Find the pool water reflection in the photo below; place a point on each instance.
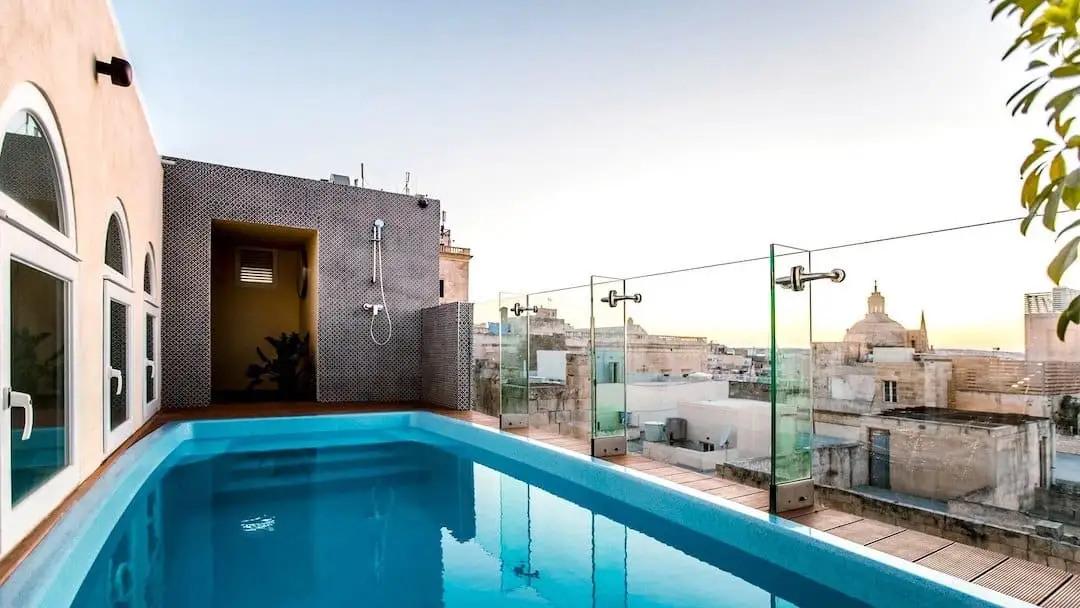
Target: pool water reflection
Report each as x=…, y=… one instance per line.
x=409, y=524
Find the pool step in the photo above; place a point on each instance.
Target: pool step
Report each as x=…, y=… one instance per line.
x=391, y=475
x=246, y=471
x=319, y=457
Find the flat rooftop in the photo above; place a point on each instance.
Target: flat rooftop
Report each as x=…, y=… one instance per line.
x=986, y=420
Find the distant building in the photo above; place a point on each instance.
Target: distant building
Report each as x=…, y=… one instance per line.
x=1041, y=312
x=878, y=329
x=453, y=268
x=651, y=354
x=1053, y=301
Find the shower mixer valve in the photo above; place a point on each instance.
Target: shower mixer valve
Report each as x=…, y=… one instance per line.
x=613, y=298
x=374, y=308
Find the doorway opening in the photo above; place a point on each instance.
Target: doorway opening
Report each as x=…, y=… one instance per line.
x=264, y=312
x=879, y=459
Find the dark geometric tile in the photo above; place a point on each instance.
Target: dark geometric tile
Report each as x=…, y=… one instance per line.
x=350, y=366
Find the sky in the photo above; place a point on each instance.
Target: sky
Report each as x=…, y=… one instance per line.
x=626, y=137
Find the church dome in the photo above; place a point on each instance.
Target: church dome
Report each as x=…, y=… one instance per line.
x=877, y=328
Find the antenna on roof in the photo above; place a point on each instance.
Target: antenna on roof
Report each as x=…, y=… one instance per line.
x=407, y=176
x=362, y=175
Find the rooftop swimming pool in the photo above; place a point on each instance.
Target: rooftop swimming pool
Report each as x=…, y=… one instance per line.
x=414, y=509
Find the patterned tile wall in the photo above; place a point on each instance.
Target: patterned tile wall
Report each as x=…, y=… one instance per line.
x=349, y=367
x=446, y=359
x=28, y=174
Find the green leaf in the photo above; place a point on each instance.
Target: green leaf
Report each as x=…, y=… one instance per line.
x=1004, y=4
x=1070, y=195
x=1070, y=316
x=1070, y=190
x=1056, y=15
x=1052, y=204
x=1025, y=102
x=1063, y=260
x=1057, y=167
x=1061, y=101
x=1065, y=71
x=1027, y=9
x=1030, y=189
x=1012, y=49
x=1070, y=227
x=1032, y=159
x=1034, y=206
x=1026, y=222
x=1062, y=128
x=1020, y=90
x=1036, y=64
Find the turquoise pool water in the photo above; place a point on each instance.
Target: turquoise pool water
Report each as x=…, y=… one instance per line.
x=409, y=524
x=416, y=510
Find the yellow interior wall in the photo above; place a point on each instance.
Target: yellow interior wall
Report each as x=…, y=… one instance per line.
x=243, y=315
x=309, y=306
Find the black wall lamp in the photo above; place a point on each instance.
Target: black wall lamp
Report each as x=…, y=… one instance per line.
x=118, y=70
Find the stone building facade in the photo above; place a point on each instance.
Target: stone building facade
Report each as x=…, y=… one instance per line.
x=453, y=269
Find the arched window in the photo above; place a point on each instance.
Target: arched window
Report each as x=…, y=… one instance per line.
x=39, y=324
x=148, y=275
x=118, y=331
x=35, y=185
x=151, y=335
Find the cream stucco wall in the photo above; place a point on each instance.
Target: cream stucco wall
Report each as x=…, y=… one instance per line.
x=111, y=154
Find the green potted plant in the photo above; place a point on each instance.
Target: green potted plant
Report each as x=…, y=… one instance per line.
x=289, y=369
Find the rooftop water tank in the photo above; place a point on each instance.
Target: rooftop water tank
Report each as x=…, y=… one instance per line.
x=676, y=429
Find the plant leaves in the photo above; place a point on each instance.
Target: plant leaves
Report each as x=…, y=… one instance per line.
x=1027, y=9
x=1004, y=4
x=1062, y=128
x=1057, y=167
x=1052, y=204
x=1068, y=228
x=1070, y=193
x=1063, y=260
x=1026, y=223
x=1032, y=159
x=1070, y=316
x=1033, y=208
x=1020, y=90
x=1060, y=101
x=1025, y=102
x=1065, y=71
x=1030, y=189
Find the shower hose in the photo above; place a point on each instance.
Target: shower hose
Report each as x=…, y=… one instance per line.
x=377, y=260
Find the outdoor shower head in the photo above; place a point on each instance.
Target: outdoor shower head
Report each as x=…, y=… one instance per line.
x=379, y=223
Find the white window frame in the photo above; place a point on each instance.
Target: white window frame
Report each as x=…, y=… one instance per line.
x=273, y=270
x=151, y=307
x=18, y=520
x=27, y=97
x=119, y=287
x=30, y=240
x=123, y=279
x=886, y=392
